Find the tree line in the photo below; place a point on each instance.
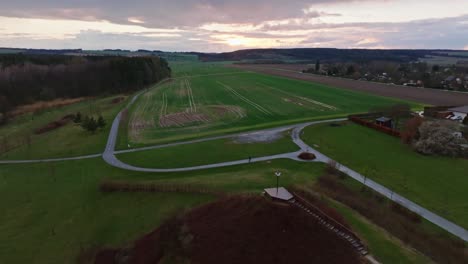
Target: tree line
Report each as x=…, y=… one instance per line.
x=25, y=79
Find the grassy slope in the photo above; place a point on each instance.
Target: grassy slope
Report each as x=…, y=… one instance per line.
x=436, y=183
x=70, y=140
x=383, y=246
x=50, y=211
x=206, y=153
x=269, y=92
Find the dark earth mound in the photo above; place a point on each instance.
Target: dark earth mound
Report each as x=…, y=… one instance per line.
x=307, y=156
x=238, y=230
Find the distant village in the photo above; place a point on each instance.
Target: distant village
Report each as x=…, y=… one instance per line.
x=415, y=74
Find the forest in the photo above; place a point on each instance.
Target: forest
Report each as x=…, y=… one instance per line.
x=25, y=79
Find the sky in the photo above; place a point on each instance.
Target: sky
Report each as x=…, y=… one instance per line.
x=227, y=25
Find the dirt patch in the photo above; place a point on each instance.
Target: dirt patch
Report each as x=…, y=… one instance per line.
x=117, y=100
x=137, y=125
x=54, y=125
x=293, y=101
x=225, y=110
x=260, y=137
x=239, y=230
x=307, y=156
x=43, y=105
x=182, y=118
x=426, y=96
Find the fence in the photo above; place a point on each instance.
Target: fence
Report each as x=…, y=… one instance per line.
x=358, y=120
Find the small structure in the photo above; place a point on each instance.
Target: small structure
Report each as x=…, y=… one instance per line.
x=461, y=111
x=279, y=194
x=384, y=121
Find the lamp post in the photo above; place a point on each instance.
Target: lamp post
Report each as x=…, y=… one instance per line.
x=278, y=174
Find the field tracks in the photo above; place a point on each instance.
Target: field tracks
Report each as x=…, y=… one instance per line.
x=245, y=99
x=192, y=104
x=163, y=110
x=329, y=107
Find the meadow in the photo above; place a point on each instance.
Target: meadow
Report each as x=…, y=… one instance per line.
x=203, y=105
x=214, y=151
x=55, y=213
x=67, y=141
x=437, y=183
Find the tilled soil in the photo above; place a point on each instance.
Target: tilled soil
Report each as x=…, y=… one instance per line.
x=240, y=230
x=421, y=95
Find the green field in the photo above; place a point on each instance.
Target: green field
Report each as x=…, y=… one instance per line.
x=206, y=105
x=51, y=210
x=437, y=183
x=66, y=141
x=214, y=151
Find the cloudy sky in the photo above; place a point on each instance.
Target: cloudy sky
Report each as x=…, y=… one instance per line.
x=225, y=25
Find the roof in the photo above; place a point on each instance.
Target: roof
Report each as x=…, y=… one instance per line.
x=460, y=109
x=281, y=193
x=383, y=119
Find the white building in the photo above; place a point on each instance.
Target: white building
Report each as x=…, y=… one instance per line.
x=461, y=111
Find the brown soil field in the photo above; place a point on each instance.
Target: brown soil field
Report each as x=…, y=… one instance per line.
x=181, y=119
x=42, y=105
x=421, y=95
x=54, y=125
x=237, y=230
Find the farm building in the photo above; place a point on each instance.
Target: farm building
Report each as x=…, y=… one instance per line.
x=461, y=111
x=384, y=121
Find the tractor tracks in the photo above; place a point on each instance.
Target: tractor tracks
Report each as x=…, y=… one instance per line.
x=245, y=99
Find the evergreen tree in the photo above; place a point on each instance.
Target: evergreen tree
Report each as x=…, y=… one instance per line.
x=317, y=66
x=77, y=118
x=465, y=120
x=90, y=124
x=101, y=122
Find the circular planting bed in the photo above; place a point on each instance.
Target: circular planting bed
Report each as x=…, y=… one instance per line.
x=238, y=230
x=307, y=156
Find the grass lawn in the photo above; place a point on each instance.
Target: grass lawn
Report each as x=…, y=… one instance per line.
x=51, y=210
x=208, y=152
x=66, y=141
x=437, y=183
x=238, y=101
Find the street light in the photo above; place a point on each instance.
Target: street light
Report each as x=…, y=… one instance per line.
x=278, y=174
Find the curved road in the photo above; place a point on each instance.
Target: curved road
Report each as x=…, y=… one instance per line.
x=111, y=159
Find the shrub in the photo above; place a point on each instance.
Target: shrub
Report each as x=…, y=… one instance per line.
x=77, y=118
x=101, y=123
x=307, y=156
x=89, y=124
x=439, y=138
x=465, y=120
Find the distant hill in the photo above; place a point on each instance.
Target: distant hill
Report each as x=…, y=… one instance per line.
x=323, y=54
x=302, y=55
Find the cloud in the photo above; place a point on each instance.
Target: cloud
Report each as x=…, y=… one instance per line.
x=223, y=25
x=160, y=13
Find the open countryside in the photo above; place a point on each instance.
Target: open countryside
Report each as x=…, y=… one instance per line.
x=231, y=132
